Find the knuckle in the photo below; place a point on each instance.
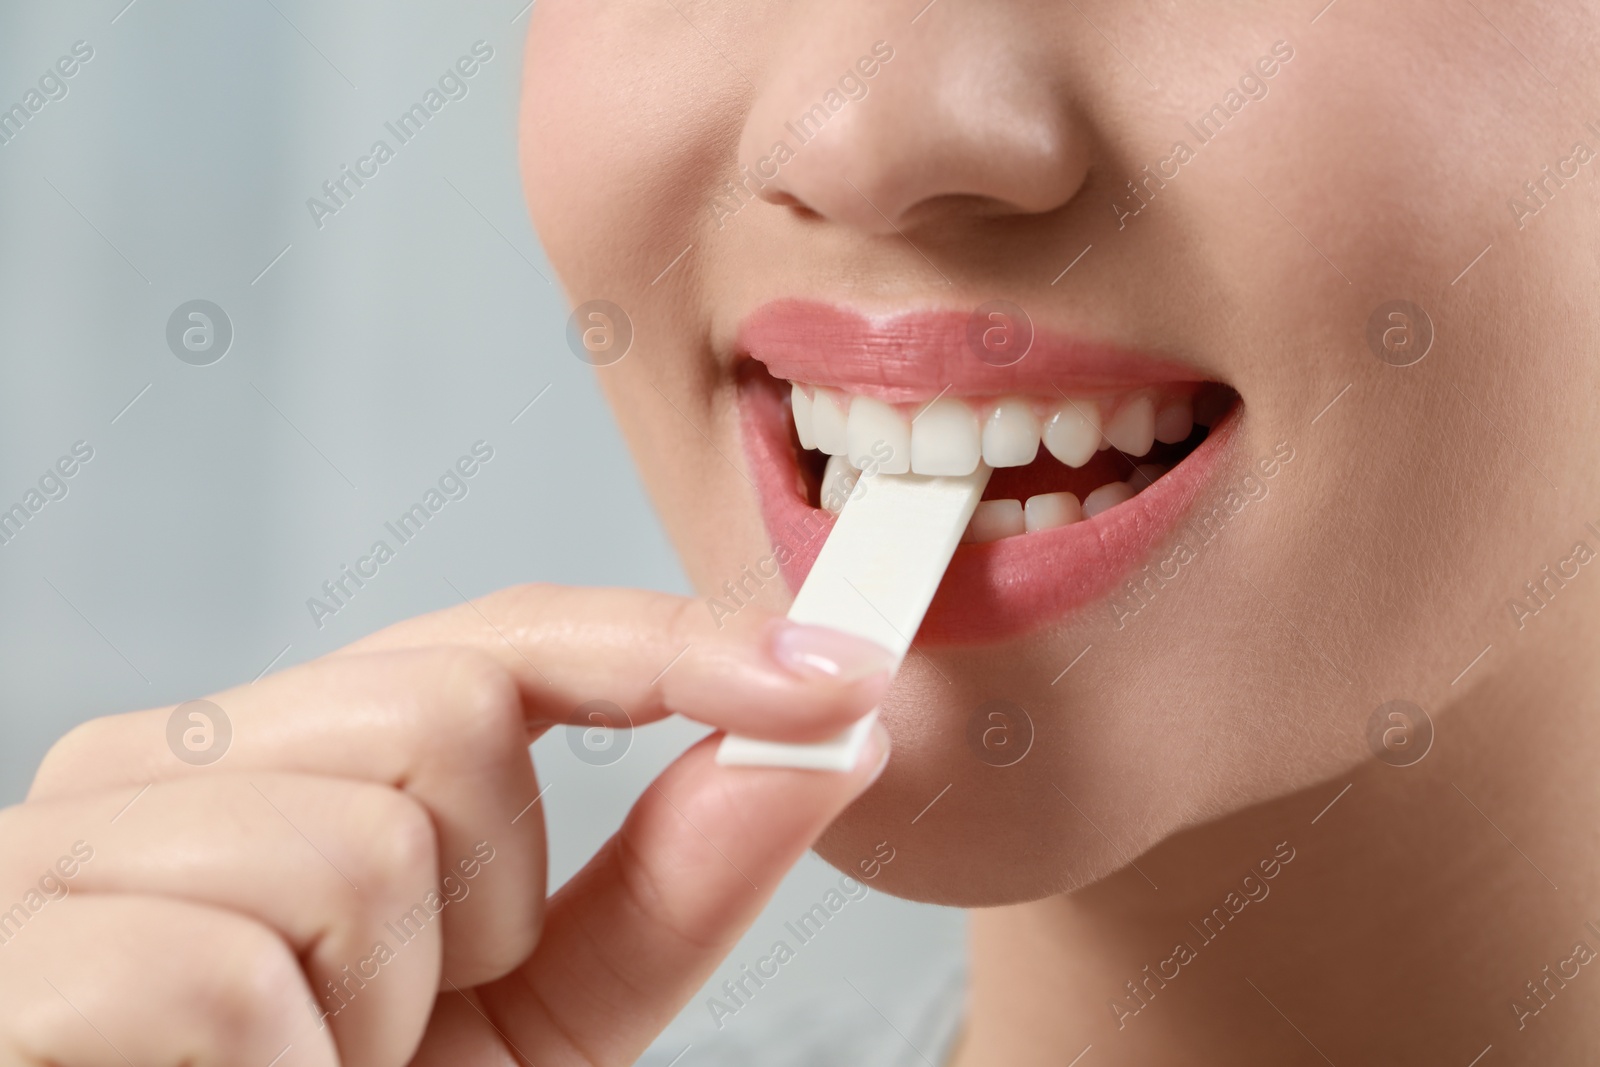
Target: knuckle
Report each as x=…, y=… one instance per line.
x=256, y=983
x=528, y=599
x=219, y=985
x=58, y=770
x=394, y=844
x=485, y=707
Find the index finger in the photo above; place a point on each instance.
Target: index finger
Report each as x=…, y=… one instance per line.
x=653, y=654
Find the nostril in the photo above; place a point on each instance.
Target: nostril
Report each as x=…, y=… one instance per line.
x=779, y=198
x=789, y=200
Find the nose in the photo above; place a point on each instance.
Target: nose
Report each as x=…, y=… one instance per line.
x=886, y=131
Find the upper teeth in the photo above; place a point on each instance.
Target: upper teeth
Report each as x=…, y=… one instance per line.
x=951, y=434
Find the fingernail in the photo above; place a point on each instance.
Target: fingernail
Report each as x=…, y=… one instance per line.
x=819, y=652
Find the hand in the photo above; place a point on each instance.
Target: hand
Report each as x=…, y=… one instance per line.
x=360, y=879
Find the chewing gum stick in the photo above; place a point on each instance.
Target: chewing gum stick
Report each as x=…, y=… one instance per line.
x=875, y=577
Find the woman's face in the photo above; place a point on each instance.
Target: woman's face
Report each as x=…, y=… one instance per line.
x=1238, y=193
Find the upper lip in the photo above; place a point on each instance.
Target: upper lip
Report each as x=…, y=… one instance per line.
x=916, y=355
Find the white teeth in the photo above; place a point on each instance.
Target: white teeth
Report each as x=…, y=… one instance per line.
x=993, y=520
x=878, y=434
x=952, y=435
x=1011, y=434
x=1073, y=433
x=1107, y=496
x=1133, y=428
x=997, y=519
x=838, y=482
x=944, y=438
x=828, y=422
x=1174, y=422
x=801, y=405
x=1049, y=510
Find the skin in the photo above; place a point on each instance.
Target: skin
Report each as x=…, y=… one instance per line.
x=197, y=930
x=1214, y=731
x=1223, y=717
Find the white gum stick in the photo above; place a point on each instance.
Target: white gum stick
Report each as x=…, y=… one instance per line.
x=874, y=578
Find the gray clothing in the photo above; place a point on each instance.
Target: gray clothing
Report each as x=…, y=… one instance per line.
x=915, y=1026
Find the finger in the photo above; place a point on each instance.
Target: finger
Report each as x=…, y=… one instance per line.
x=653, y=654
x=105, y=981
x=343, y=872
x=648, y=919
x=460, y=1033
x=443, y=725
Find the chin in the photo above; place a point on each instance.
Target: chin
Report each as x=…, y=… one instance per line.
x=965, y=826
x=984, y=856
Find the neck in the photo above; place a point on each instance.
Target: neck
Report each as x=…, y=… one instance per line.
x=1420, y=915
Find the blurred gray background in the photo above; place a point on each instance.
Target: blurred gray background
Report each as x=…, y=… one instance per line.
x=368, y=354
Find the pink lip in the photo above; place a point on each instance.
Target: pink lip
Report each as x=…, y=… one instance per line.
x=913, y=356
x=991, y=591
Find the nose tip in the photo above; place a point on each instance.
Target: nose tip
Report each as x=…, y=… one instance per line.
x=906, y=135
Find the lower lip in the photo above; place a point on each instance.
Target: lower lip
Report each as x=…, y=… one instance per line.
x=995, y=590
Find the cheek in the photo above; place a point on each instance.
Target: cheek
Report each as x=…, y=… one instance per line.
x=623, y=119
x=629, y=123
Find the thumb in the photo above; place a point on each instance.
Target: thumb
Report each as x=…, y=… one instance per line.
x=634, y=934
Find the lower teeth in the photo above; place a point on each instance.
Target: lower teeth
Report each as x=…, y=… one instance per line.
x=1006, y=517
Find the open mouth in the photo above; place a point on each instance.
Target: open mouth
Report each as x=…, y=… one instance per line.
x=1096, y=454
